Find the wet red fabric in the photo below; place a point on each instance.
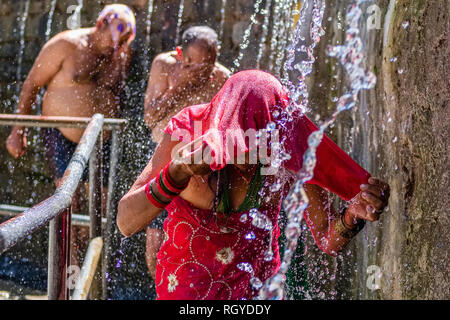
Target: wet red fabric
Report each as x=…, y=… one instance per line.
x=251, y=100
x=199, y=257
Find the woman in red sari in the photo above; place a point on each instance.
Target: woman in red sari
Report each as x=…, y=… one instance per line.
x=221, y=232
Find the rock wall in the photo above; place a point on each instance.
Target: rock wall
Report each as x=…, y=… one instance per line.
x=399, y=132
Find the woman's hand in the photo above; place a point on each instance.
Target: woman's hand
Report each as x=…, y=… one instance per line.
x=369, y=203
x=189, y=160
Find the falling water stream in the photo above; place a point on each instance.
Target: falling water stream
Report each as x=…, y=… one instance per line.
x=22, y=25
x=245, y=40
x=265, y=31
x=179, y=22
x=222, y=23
x=48, y=31
x=350, y=55
x=147, y=43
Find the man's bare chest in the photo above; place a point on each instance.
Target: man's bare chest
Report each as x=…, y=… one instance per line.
x=87, y=66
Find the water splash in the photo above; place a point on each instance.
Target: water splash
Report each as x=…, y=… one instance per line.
x=74, y=21
x=179, y=22
x=51, y=13
x=120, y=250
x=246, y=38
x=146, y=60
x=22, y=24
x=265, y=31
x=351, y=57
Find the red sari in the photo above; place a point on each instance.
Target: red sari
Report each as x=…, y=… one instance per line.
x=199, y=258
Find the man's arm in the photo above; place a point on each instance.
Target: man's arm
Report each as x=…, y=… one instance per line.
x=45, y=67
x=160, y=98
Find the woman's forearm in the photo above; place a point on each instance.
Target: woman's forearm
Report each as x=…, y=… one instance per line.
x=135, y=212
x=339, y=233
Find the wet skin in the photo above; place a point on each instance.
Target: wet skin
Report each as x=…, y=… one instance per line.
x=175, y=83
x=135, y=211
x=83, y=70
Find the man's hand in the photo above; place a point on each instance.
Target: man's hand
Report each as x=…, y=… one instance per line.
x=17, y=142
x=369, y=203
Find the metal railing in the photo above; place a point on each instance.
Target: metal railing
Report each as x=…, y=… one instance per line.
x=57, y=208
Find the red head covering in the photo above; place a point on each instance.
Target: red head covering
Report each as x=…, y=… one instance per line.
x=250, y=100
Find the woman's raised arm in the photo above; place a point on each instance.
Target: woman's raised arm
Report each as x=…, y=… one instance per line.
x=135, y=211
x=331, y=230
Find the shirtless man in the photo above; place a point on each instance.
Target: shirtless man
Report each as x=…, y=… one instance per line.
x=84, y=71
x=188, y=76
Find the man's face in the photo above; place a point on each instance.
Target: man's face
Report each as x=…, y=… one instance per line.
x=195, y=55
x=114, y=34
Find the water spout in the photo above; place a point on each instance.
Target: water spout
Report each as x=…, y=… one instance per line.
x=22, y=24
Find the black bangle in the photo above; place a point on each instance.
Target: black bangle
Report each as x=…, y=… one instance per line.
x=343, y=230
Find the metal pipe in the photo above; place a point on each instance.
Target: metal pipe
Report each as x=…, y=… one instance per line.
x=59, y=256
x=110, y=212
x=95, y=190
x=13, y=230
x=95, y=206
x=81, y=220
x=57, y=122
x=84, y=280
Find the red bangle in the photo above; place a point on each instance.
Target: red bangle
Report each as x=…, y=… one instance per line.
x=168, y=183
x=151, y=197
x=161, y=189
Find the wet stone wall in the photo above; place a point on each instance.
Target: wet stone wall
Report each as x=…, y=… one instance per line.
x=398, y=131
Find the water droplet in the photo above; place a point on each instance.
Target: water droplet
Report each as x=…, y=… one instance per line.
x=250, y=236
x=256, y=283
x=245, y=266
x=405, y=24
x=268, y=255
